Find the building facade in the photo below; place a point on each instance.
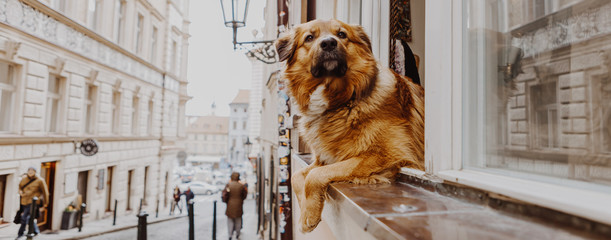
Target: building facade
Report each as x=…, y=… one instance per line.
x=207, y=135
x=112, y=71
x=238, y=128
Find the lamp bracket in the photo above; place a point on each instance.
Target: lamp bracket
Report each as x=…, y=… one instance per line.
x=263, y=51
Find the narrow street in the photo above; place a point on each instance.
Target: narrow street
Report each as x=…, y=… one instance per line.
x=179, y=228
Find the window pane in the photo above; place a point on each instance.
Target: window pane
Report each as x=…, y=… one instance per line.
x=537, y=90
x=6, y=102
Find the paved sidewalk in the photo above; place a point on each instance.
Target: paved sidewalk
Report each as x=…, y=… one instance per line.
x=92, y=228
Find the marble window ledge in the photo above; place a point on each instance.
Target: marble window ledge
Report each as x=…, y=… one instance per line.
x=420, y=207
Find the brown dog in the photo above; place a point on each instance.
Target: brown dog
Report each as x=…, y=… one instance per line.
x=362, y=121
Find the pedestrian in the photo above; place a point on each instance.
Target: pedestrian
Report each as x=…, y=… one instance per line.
x=176, y=203
x=188, y=195
x=234, y=195
x=31, y=186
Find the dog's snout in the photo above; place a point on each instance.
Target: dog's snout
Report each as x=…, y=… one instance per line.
x=328, y=44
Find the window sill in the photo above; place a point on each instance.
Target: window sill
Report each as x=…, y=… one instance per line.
x=579, y=202
x=415, y=207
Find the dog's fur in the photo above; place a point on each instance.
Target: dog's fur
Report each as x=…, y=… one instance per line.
x=362, y=121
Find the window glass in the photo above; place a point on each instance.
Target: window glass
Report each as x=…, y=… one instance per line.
x=6, y=96
x=53, y=102
x=537, y=90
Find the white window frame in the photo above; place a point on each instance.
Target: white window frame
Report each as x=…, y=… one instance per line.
x=154, y=43
x=14, y=89
x=120, y=20
x=443, y=118
x=150, y=117
x=115, y=105
x=93, y=104
x=59, y=96
x=139, y=41
x=135, y=115
x=93, y=17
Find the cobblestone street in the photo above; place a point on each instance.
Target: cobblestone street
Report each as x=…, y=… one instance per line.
x=179, y=228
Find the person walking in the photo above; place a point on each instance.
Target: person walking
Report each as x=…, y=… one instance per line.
x=31, y=186
x=234, y=195
x=176, y=203
x=188, y=195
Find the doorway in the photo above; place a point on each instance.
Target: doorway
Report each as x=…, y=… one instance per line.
x=130, y=174
x=109, y=205
x=2, y=192
x=47, y=172
x=82, y=186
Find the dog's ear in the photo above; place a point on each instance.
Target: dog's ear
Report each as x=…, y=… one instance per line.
x=360, y=32
x=284, y=46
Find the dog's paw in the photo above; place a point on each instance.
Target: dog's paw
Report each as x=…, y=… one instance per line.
x=309, y=221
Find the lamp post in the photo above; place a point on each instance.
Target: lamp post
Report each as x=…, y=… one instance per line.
x=247, y=148
x=234, y=16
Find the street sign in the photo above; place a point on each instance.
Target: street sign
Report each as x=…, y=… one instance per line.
x=89, y=147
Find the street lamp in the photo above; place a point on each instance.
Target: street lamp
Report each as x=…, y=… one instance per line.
x=247, y=147
x=234, y=16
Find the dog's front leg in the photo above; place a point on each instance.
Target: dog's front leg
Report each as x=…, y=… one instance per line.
x=316, y=184
x=298, y=181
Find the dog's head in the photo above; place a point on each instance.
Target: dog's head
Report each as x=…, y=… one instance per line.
x=332, y=53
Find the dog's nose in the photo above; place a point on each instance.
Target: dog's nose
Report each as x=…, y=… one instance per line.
x=328, y=44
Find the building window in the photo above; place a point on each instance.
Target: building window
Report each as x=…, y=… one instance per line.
x=93, y=12
x=119, y=20
x=245, y=110
x=7, y=90
x=154, y=45
x=545, y=115
x=139, y=31
x=235, y=124
x=116, y=112
x=244, y=125
x=146, y=176
x=135, y=115
x=174, y=56
x=90, y=110
x=149, y=121
x=605, y=111
x=525, y=77
x=54, y=101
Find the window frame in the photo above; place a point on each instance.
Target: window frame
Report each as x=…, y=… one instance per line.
x=61, y=99
x=93, y=103
x=120, y=19
x=135, y=114
x=115, y=112
x=443, y=118
x=139, y=39
x=14, y=88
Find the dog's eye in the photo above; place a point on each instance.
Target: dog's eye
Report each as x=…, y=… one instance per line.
x=309, y=38
x=341, y=34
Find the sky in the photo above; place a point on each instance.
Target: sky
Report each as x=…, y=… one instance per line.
x=215, y=71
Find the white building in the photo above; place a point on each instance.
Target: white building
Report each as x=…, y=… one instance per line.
x=113, y=71
x=206, y=135
x=238, y=127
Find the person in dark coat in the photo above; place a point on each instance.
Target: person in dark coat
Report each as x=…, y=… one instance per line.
x=188, y=195
x=237, y=193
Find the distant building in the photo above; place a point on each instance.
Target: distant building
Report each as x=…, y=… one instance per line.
x=238, y=127
x=113, y=71
x=206, y=135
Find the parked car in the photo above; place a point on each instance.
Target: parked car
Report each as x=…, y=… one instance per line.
x=200, y=188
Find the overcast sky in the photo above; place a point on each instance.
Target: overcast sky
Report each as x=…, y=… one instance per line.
x=215, y=71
